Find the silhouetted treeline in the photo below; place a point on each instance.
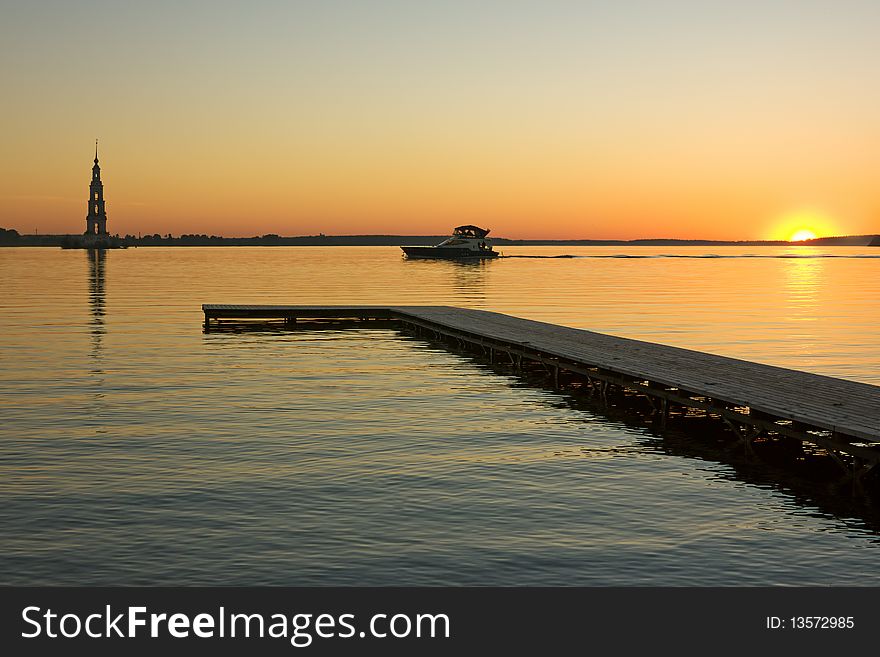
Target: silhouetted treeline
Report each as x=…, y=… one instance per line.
x=10, y=237
x=276, y=240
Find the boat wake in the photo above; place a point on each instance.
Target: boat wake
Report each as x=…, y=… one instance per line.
x=796, y=256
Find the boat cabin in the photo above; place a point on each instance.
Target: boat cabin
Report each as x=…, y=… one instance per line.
x=472, y=232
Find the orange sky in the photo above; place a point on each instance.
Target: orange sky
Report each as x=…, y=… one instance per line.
x=551, y=119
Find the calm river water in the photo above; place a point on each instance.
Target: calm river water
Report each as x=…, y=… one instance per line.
x=135, y=449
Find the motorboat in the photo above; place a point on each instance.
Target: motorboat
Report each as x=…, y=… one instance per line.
x=465, y=242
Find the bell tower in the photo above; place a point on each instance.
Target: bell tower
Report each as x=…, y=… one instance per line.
x=96, y=220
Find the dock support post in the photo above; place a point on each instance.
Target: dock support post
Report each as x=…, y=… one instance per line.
x=854, y=471
x=847, y=469
x=746, y=435
x=556, y=377
x=664, y=412
x=591, y=384
x=861, y=469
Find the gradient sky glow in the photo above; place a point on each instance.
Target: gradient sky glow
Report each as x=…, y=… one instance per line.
x=615, y=119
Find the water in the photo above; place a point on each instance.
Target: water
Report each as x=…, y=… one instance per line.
x=135, y=449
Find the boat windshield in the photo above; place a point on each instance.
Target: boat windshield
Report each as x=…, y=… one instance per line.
x=451, y=241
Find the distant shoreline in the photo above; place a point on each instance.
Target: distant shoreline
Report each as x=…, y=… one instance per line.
x=13, y=238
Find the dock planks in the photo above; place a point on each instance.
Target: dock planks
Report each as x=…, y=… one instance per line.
x=848, y=411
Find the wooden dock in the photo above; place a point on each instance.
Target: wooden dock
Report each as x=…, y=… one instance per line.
x=840, y=416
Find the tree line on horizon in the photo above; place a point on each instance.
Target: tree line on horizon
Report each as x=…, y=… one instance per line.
x=11, y=237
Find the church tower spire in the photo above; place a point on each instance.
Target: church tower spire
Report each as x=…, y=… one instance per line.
x=96, y=220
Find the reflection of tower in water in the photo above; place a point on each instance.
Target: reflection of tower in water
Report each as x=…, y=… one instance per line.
x=96, y=297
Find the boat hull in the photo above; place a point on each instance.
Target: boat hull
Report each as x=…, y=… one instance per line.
x=446, y=253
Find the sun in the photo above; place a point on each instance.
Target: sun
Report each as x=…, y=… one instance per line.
x=802, y=235
x=803, y=224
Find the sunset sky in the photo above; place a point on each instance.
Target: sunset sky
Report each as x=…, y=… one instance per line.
x=616, y=119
